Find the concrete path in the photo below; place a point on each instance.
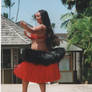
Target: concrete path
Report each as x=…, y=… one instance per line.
x=49, y=88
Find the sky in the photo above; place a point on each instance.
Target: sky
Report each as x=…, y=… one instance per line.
x=54, y=8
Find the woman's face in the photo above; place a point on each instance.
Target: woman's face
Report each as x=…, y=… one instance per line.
x=38, y=17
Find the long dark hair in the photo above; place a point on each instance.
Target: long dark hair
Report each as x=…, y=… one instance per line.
x=51, y=40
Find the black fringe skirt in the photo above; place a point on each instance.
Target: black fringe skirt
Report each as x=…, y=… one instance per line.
x=43, y=57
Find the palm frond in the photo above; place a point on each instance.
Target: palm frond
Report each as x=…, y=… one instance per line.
x=67, y=15
x=64, y=1
x=69, y=3
x=64, y=24
x=12, y=4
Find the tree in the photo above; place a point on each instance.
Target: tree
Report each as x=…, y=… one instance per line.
x=80, y=5
x=5, y=15
x=79, y=28
x=17, y=10
x=9, y=4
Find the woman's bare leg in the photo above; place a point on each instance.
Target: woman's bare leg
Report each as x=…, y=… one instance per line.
x=42, y=87
x=24, y=85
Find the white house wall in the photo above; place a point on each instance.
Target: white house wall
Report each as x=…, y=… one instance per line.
x=78, y=65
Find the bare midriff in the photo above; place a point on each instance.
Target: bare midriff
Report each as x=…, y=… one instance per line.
x=39, y=44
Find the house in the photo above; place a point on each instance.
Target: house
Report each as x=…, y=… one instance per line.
x=71, y=66
x=13, y=41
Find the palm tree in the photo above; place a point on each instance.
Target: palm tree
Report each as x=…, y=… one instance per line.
x=17, y=10
x=79, y=27
x=80, y=5
x=9, y=4
x=5, y=15
x=69, y=3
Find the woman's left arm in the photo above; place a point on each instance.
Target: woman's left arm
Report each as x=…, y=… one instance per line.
x=36, y=29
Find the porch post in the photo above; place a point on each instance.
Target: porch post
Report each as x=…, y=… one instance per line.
x=11, y=57
x=81, y=67
x=2, y=69
x=12, y=64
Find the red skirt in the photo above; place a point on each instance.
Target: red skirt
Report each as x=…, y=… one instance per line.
x=37, y=73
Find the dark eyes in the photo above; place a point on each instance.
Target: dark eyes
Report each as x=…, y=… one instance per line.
x=36, y=16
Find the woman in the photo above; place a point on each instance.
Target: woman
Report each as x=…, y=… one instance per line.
x=43, y=39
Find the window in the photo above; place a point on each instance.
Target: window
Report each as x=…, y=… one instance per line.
x=6, y=58
x=65, y=64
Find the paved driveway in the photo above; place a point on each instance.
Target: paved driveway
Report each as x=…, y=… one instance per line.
x=49, y=88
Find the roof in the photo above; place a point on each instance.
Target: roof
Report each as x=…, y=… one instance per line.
x=64, y=44
x=12, y=34
x=62, y=36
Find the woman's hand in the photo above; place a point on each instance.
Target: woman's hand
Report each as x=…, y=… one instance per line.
x=25, y=33
x=23, y=24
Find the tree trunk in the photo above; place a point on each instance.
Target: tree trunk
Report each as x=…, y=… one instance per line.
x=17, y=10
x=9, y=12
